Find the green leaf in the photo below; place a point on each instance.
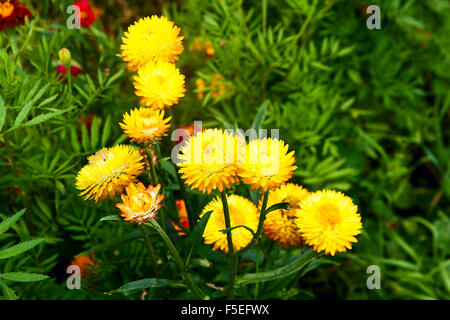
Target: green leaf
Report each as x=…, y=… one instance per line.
x=84, y=138
x=20, y=248
x=260, y=116
x=106, y=130
x=8, y=292
x=74, y=140
x=281, y=272
x=278, y=206
x=95, y=132
x=2, y=113
x=146, y=283
x=113, y=217
x=197, y=234
x=23, y=276
x=22, y=114
x=7, y=223
x=224, y=231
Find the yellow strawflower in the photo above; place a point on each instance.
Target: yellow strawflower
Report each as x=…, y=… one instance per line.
x=280, y=224
x=267, y=164
x=159, y=84
x=329, y=221
x=140, y=204
x=109, y=171
x=151, y=39
x=208, y=160
x=242, y=212
x=145, y=125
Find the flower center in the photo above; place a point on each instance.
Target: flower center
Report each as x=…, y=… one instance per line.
x=329, y=215
x=6, y=9
x=140, y=202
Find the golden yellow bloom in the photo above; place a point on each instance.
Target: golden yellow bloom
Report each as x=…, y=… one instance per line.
x=159, y=84
x=242, y=212
x=140, y=204
x=208, y=160
x=329, y=221
x=267, y=164
x=151, y=39
x=109, y=171
x=145, y=125
x=280, y=224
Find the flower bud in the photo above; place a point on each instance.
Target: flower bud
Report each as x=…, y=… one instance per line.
x=64, y=56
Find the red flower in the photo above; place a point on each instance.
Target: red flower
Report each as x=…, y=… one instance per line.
x=12, y=13
x=87, y=16
x=74, y=70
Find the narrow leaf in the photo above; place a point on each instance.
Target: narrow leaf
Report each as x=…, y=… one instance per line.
x=20, y=248
x=146, y=283
x=281, y=272
x=23, y=276
x=2, y=113
x=106, y=130
x=7, y=223
x=197, y=234
x=22, y=114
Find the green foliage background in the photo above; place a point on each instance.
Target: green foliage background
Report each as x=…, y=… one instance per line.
x=366, y=111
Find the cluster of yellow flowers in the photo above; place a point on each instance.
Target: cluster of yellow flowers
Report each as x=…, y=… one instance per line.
x=150, y=46
x=216, y=159
x=212, y=159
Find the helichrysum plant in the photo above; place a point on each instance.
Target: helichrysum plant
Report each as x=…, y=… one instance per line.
x=210, y=161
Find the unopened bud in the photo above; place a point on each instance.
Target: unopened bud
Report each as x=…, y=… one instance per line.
x=64, y=56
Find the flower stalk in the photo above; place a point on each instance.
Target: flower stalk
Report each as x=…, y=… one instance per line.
x=150, y=251
x=233, y=257
x=262, y=218
x=176, y=256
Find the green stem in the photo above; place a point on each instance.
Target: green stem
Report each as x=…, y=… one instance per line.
x=233, y=258
x=69, y=80
x=152, y=166
x=150, y=251
x=175, y=255
x=262, y=218
x=154, y=180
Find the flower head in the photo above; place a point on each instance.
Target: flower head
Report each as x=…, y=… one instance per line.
x=145, y=125
x=62, y=71
x=242, y=213
x=208, y=160
x=267, y=164
x=182, y=218
x=12, y=13
x=86, y=263
x=140, y=204
x=159, y=84
x=151, y=39
x=218, y=86
x=329, y=221
x=109, y=171
x=87, y=16
x=280, y=224
x=199, y=45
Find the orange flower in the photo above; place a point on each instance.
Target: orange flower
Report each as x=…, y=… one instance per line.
x=218, y=87
x=86, y=263
x=12, y=13
x=182, y=217
x=200, y=45
x=140, y=204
